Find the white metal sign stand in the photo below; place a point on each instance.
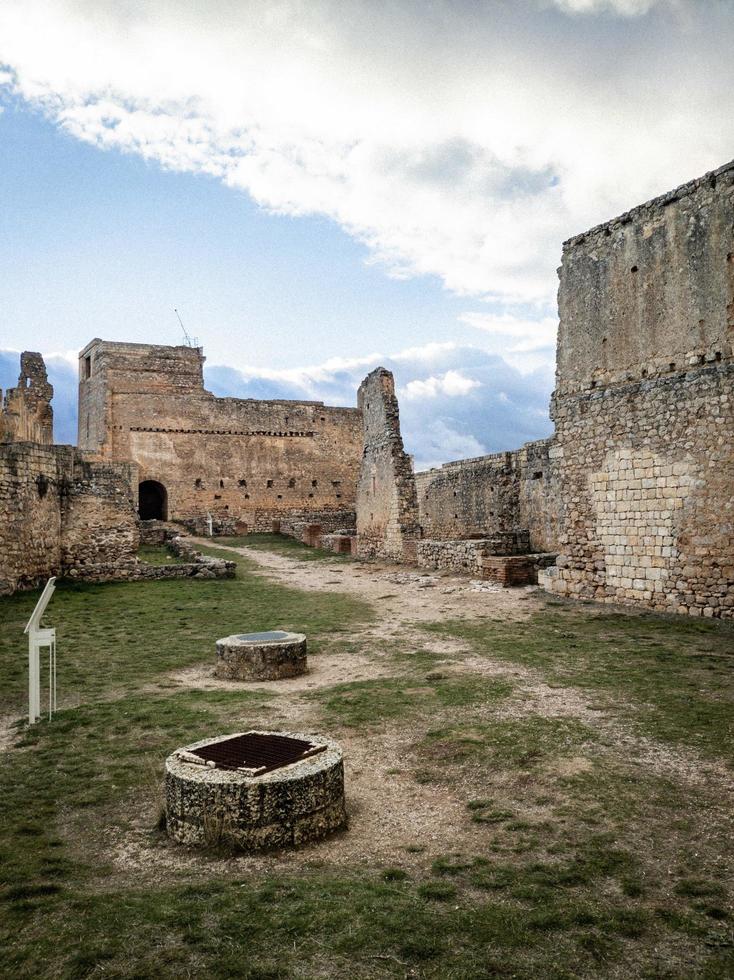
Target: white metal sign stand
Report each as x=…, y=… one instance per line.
x=210, y=525
x=39, y=637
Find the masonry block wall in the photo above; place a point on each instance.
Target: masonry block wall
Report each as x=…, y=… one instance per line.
x=644, y=405
x=59, y=512
x=387, y=504
x=98, y=521
x=26, y=414
x=500, y=493
x=249, y=463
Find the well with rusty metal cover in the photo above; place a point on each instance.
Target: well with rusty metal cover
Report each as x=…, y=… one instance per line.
x=255, y=790
x=265, y=656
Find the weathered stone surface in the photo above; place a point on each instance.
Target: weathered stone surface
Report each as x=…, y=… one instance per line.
x=490, y=495
x=26, y=414
x=387, y=505
x=288, y=807
x=61, y=514
x=259, y=657
x=249, y=463
x=644, y=406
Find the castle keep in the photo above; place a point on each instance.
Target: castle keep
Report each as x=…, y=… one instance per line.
x=251, y=464
x=632, y=499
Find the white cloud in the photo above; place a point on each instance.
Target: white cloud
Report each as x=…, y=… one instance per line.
x=627, y=8
x=524, y=342
x=451, y=383
x=455, y=401
x=463, y=141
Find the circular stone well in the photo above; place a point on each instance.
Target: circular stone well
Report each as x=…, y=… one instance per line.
x=261, y=656
x=291, y=803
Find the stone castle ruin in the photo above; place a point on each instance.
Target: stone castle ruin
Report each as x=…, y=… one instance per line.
x=632, y=499
x=253, y=465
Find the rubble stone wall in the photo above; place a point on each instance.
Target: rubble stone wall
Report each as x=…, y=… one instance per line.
x=98, y=521
x=31, y=485
x=387, y=504
x=504, y=492
x=644, y=405
x=247, y=462
x=464, y=557
x=59, y=513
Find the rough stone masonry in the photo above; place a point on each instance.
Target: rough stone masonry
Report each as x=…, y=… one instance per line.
x=644, y=405
x=251, y=464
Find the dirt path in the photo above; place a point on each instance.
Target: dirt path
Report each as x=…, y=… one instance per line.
x=400, y=595
x=394, y=819
x=403, y=597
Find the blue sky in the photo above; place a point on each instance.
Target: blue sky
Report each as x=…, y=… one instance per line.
x=321, y=188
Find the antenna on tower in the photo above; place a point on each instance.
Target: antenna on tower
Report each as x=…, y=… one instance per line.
x=188, y=341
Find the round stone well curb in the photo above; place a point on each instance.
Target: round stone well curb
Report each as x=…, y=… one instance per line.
x=286, y=807
x=261, y=656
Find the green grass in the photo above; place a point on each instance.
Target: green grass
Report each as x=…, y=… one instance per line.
x=672, y=677
x=157, y=554
x=113, y=637
x=604, y=870
x=280, y=544
x=366, y=704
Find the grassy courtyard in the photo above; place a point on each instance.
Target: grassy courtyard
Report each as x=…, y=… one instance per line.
x=577, y=764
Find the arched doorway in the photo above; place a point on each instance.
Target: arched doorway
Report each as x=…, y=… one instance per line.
x=152, y=501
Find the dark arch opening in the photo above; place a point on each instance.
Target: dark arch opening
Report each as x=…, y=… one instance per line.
x=152, y=501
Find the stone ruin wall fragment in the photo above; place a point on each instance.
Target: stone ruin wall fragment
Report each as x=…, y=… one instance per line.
x=387, y=504
x=252, y=464
x=25, y=413
x=492, y=495
x=644, y=405
x=61, y=514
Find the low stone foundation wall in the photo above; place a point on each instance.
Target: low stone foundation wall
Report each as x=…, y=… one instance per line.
x=194, y=565
x=452, y=556
x=466, y=556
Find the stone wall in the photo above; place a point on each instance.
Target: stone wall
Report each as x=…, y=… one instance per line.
x=60, y=513
x=98, y=521
x=31, y=487
x=387, y=504
x=26, y=414
x=249, y=463
x=481, y=497
x=464, y=557
x=644, y=405
x=126, y=568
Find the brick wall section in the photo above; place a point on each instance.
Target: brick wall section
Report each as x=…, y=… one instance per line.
x=59, y=513
x=493, y=494
x=26, y=414
x=387, y=504
x=644, y=405
x=245, y=461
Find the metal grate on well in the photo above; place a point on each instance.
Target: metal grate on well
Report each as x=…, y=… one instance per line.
x=254, y=753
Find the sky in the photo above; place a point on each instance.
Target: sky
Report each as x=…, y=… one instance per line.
x=320, y=187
